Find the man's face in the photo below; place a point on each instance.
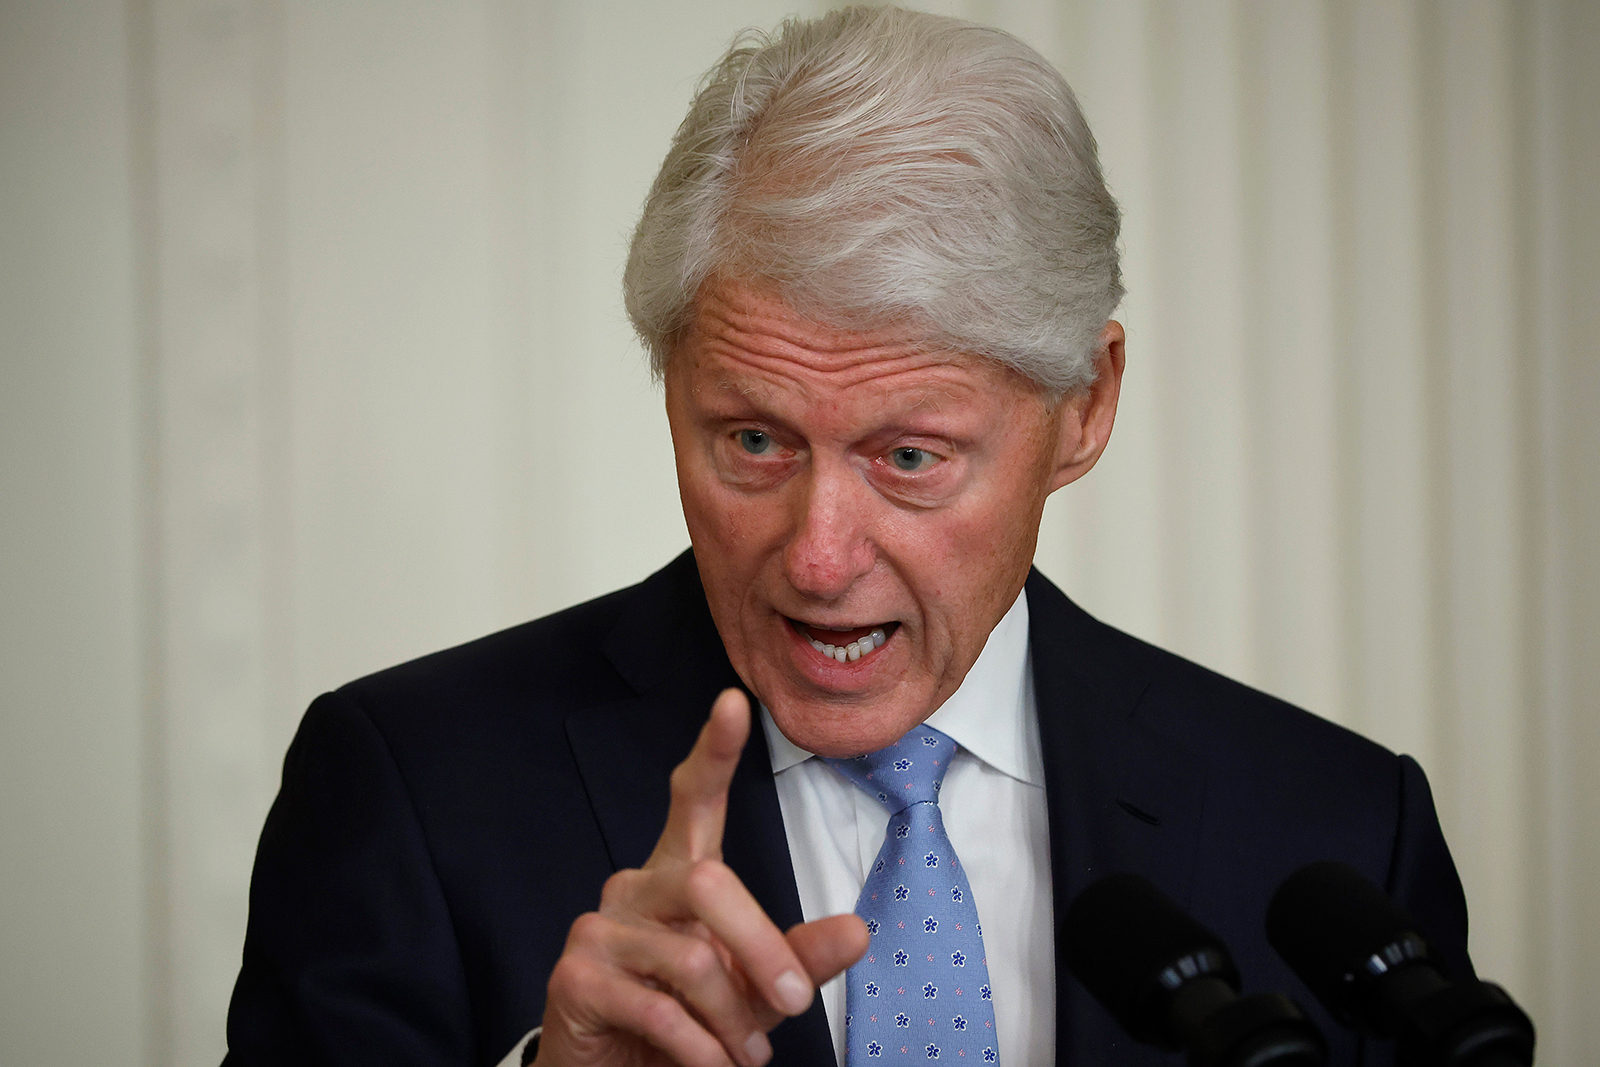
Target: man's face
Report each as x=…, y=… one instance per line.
x=840, y=487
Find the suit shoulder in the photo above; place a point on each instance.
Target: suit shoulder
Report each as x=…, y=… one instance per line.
x=1196, y=706
x=525, y=677
x=1186, y=698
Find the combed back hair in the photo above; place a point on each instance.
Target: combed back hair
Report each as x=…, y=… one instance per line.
x=878, y=166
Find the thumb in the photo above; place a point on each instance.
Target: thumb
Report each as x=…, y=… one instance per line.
x=828, y=946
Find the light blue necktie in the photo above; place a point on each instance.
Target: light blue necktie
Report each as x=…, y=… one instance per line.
x=922, y=990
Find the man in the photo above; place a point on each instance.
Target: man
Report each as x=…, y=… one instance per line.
x=875, y=275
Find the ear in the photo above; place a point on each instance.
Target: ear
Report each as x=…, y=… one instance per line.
x=1085, y=417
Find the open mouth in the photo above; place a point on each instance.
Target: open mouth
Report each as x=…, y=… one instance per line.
x=845, y=645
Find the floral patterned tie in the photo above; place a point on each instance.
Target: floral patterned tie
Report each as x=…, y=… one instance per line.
x=922, y=990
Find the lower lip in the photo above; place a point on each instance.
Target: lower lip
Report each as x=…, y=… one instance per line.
x=828, y=667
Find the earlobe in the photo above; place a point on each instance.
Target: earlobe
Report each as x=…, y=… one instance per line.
x=1086, y=417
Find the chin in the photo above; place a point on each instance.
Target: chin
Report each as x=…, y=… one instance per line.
x=841, y=729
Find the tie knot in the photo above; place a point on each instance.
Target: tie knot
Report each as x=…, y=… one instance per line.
x=908, y=772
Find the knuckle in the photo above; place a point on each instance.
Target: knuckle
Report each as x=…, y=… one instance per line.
x=682, y=781
x=705, y=880
x=617, y=888
x=588, y=929
x=660, y=1016
x=572, y=977
x=697, y=963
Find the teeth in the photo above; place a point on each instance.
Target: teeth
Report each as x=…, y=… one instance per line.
x=855, y=649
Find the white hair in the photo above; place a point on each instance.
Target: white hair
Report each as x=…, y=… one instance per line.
x=879, y=165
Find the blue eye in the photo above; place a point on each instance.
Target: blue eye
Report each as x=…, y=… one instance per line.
x=910, y=459
x=755, y=442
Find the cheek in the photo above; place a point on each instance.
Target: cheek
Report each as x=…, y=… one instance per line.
x=700, y=510
x=989, y=560
x=740, y=528
x=972, y=566
x=967, y=546
x=706, y=508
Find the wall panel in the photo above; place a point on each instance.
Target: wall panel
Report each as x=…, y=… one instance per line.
x=72, y=681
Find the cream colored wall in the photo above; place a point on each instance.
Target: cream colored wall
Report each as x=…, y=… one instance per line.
x=312, y=360
x=72, y=645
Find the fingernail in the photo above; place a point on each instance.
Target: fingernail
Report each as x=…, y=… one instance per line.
x=758, y=1049
x=794, y=992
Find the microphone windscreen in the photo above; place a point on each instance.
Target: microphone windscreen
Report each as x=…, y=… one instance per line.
x=1119, y=937
x=1326, y=920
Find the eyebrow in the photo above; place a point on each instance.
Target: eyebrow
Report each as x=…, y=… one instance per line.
x=749, y=391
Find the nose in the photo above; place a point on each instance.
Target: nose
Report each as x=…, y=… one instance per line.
x=830, y=547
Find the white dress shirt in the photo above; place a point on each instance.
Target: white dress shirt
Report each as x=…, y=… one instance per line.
x=994, y=811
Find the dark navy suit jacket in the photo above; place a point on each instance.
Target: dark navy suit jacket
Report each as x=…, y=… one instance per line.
x=442, y=823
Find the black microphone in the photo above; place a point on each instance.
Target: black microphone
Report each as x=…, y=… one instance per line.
x=1361, y=955
x=1171, y=983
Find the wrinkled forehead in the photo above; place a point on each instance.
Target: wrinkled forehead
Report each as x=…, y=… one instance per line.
x=744, y=334
x=750, y=303
x=757, y=319
x=874, y=391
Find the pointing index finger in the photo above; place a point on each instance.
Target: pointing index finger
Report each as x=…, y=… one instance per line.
x=700, y=784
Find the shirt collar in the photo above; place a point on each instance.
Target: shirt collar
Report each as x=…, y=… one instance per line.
x=991, y=714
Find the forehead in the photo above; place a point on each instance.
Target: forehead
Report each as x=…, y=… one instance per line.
x=747, y=341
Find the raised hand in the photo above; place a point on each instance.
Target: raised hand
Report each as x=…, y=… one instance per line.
x=680, y=964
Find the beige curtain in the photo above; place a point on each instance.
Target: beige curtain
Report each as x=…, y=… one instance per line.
x=312, y=360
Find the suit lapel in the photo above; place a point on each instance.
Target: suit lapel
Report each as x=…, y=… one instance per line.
x=668, y=649
x=1121, y=797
